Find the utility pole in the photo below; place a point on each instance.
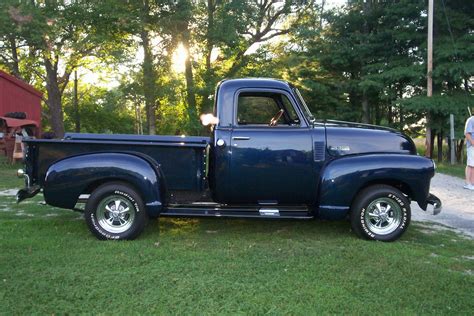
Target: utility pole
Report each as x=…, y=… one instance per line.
x=429, y=83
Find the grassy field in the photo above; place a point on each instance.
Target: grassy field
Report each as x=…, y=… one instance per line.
x=457, y=170
x=51, y=264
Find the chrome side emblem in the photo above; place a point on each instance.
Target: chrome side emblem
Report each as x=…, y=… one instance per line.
x=340, y=148
x=269, y=212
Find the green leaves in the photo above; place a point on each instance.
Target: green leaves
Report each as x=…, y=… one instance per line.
x=366, y=58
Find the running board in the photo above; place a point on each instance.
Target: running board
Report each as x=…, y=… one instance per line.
x=239, y=212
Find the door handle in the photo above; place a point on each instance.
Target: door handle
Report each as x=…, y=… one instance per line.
x=240, y=138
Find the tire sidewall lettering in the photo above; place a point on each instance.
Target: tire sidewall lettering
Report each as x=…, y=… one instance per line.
x=400, y=227
x=131, y=199
x=363, y=224
x=100, y=230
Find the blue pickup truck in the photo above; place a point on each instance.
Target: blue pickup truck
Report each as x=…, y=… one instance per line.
x=267, y=157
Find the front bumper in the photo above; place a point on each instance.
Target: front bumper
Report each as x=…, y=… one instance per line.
x=434, y=204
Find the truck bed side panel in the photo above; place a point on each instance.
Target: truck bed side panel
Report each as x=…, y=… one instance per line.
x=182, y=164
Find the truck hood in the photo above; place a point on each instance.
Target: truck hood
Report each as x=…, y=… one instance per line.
x=346, y=138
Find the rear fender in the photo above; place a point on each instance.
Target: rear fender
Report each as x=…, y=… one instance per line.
x=343, y=178
x=67, y=179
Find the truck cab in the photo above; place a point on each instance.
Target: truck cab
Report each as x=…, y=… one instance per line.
x=266, y=157
x=263, y=145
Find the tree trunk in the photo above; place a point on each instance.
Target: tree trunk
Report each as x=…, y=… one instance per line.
x=149, y=75
x=378, y=119
x=323, y=2
x=459, y=150
x=14, y=51
x=440, y=146
x=210, y=30
x=429, y=137
x=77, y=118
x=365, y=109
x=208, y=77
x=448, y=141
x=390, y=115
x=54, y=99
x=190, y=92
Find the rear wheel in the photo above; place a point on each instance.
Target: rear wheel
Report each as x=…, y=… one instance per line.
x=115, y=211
x=380, y=212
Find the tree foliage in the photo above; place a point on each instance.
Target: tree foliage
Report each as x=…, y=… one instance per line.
x=363, y=62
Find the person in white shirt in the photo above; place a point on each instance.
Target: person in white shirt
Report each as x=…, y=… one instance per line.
x=469, y=133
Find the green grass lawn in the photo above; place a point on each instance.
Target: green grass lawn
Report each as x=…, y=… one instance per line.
x=8, y=177
x=457, y=170
x=51, y=264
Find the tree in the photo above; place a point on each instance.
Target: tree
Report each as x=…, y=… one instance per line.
x=230, y=29
x=61, y=35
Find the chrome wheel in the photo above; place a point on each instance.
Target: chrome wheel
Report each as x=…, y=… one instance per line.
x=383, y=216
x=115, y=214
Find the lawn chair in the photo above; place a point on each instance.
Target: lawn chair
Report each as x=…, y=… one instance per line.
x=18, y=149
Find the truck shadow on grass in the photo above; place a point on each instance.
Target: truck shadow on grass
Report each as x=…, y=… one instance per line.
x=224, y=227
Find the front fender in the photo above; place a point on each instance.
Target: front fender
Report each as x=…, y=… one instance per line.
x=343, y=178
x=68, y=178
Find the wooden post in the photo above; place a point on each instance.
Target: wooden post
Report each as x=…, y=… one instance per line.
x=429, y=83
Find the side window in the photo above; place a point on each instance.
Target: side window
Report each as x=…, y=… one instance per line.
x=290, y=111
x=257, y=108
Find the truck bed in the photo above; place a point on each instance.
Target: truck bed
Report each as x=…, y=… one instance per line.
x=182, y=158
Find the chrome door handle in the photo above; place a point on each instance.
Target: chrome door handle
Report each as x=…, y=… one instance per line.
x=240, y=138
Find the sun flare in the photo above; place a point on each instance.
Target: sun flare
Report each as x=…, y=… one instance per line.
x=179, y=58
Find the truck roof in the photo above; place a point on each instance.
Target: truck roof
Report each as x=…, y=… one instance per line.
x=254, y=83
x=227, y=88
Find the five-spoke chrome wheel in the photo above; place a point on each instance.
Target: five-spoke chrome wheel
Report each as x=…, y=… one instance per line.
x=383, y=216
x=380, y=212
x=115, y=214
x=115, y=211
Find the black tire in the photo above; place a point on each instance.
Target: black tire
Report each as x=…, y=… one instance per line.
x=103, y=218
x=16, y=115
x=372, y=218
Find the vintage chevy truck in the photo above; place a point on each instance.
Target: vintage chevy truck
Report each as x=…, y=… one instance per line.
x=267, y=157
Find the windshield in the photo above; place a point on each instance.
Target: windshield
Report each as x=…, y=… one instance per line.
x=303, y=106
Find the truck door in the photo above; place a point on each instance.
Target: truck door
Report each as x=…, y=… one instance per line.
x=271, y=150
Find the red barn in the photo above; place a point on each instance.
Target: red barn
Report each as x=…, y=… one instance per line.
x=17, y=96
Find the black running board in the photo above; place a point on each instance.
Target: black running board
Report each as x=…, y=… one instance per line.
x=237, y=212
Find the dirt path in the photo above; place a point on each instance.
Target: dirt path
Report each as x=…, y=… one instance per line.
x=458, y=205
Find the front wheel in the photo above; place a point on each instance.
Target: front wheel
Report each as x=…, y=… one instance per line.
x=380, y=212
x=115, y=211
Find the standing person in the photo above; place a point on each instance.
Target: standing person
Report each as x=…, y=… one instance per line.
x=469, y=133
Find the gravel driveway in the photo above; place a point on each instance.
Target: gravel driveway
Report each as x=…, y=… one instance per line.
x=458, y=205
